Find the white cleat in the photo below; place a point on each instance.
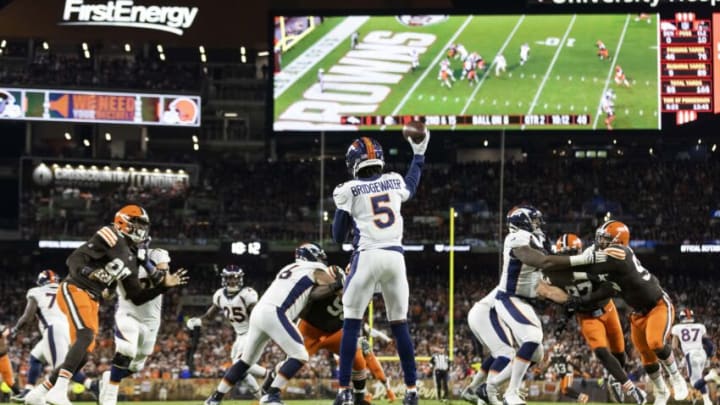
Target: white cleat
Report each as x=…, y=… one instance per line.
x=512, y=398
x=103, y=383
x=469, y=396
x=493, y=395
x=36, y=396
x=661, y=396
x=679, y=386
x=57, y=396
x=713, y=375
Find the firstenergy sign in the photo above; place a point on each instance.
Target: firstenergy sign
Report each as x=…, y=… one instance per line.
x=124, y=13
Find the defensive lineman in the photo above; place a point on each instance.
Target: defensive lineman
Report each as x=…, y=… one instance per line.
x=137, y=325
x=236, y=303
x=689, y=335
x=272, y=319
x=371, y=201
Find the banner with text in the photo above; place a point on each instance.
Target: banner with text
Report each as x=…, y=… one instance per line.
x=99, y=107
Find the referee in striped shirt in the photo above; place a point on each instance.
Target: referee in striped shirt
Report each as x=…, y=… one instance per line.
x=441, y=365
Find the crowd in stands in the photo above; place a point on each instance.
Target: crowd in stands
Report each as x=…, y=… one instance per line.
x=280, y=201
x=428, y=317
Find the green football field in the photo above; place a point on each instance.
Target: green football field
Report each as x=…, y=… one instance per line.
x=563, y=74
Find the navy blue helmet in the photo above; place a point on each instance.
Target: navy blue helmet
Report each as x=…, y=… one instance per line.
x=363, y=152
x=525, y=217
x=310, y=252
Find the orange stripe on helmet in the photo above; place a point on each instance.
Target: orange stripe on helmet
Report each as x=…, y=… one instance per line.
x=369, y=146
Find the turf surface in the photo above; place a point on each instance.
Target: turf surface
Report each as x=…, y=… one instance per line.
x=562, y=76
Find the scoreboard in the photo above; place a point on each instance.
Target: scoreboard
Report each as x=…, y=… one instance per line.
x=686, y=66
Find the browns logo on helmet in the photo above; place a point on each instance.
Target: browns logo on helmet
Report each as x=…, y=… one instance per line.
x=568, y=244
x=612, y=233
x=133, y=222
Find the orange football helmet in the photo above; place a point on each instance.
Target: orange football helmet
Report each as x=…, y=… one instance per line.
x=568, y=244
x=133, y=222
x=612, y=233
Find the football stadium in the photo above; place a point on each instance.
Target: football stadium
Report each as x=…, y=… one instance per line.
x=405, y=202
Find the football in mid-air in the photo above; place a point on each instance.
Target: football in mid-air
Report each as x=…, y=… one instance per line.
x=415, y=131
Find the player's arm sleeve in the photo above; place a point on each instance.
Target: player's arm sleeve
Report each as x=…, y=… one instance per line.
x=708, y=346
x=412, y=178
x=137, y=294
x=342, y=220
x=79, y=260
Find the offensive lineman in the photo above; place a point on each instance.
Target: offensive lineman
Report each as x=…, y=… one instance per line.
x=500, y=64
x=689, y=335
x=524, y=53
x=371, y=201
x=523, y=256
x=272, y=318
x=137, y=325
x=236, y=303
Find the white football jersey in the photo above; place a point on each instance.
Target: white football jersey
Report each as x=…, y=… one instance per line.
x=518, y=278
x=524, y=50
x=690, y=335
x=500, y=61
x=151, y=310
x=374, y=205
x=236, y=308
x=48, y=313
x=290, y=290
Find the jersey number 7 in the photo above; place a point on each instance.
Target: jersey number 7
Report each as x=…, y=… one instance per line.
x=384, y=215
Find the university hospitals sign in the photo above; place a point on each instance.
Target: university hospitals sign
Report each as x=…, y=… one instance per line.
x=124, y=13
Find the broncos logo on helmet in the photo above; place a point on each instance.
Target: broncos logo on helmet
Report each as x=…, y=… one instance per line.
x=568, y=244
x=363, y=152
x=525, y=217
x=47, y=277
x=310, y=252
x=232, y=278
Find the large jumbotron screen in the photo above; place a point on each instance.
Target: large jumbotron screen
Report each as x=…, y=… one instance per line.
x=467, y=71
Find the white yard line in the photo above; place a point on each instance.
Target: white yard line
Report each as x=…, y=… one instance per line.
x=314, y=54
x=431, y=66
x=489, y=69
x=598, y=112
x=561, y=45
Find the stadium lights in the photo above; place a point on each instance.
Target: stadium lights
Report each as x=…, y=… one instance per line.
x=108, y=136
x=242, y=50
x=569, y=141
x=87, y=54
x=196, y=146
x=486, y=143
x=106, y=168
x=201, y=49
x=159, y=48
x=195, y=139
x=231, y=115
x=86, y=143
x=147, y=138
x=326, y=216
x=614, y=141
x=714, y=147
x=3, y=44
x=84, y=46
x=45, y=45
x=144, y=169
x=1, y=51
x=131, y=169
x=203, y=58
x=243, y=59
x=650, y=151
x=128, y=48
x=68, y=136
x=162, y=57
x=263, y=53
x=699, y=141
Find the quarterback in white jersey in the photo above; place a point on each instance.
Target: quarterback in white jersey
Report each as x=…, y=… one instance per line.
x=236, y=303
x=369, y=204
x=689, y=334
x=524, y=254
x=137, y=324
x=273, y=319
x=500, y=64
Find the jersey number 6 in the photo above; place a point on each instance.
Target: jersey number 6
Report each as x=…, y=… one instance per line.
x=380, y=208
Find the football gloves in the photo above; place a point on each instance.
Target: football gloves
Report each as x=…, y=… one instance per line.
x=193, y=323
x=420, y=148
